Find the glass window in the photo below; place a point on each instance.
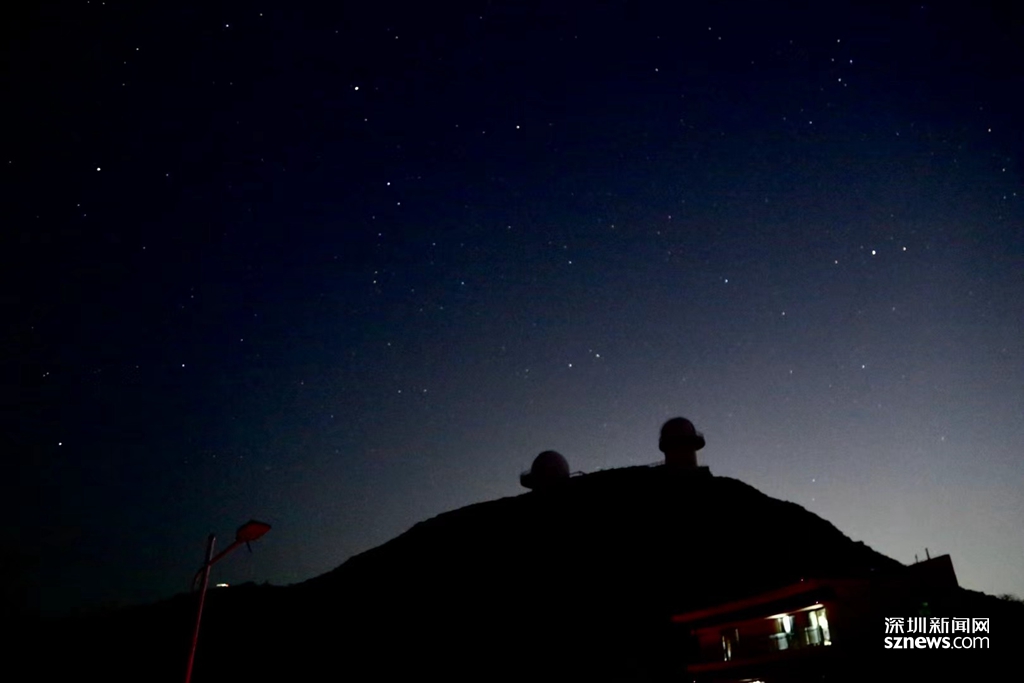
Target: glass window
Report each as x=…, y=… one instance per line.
x=818, y=634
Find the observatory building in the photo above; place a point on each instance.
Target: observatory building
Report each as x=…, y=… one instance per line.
x=680, y=441
x=550, y=468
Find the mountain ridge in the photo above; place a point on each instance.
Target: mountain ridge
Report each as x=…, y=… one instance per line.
x=579, y=579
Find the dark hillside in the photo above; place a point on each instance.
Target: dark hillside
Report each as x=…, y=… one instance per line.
x=578, y=580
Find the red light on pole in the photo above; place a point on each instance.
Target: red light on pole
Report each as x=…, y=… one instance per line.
x=250, y=531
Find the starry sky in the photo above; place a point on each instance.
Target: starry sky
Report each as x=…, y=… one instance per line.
x=342, y=267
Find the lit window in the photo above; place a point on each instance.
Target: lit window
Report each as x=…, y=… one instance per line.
x=783, y=631
x=818, y=634
x=730, y=638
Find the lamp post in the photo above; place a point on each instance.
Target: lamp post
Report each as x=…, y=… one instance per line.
x=250, y=531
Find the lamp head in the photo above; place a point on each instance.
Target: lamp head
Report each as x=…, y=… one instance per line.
x=250, y=531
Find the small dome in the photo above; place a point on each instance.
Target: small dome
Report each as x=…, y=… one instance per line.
x=550, y=467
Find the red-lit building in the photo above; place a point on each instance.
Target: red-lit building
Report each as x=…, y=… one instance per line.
x=811, y=630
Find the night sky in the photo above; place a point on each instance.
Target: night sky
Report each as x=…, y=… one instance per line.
x=343, y=267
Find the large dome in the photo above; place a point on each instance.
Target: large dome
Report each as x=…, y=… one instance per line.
x=680, y=433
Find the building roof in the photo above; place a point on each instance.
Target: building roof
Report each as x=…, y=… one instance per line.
x=777, y=601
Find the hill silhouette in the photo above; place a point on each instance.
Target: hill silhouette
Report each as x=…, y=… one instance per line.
x=578, y=580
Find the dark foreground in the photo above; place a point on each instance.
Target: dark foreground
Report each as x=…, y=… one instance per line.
x=576, y=583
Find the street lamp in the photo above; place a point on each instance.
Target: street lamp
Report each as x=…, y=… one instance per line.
x=248, y=532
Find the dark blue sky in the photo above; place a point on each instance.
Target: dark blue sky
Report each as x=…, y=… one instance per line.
x=344, y=268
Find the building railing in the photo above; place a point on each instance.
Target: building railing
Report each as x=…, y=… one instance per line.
x=745, y=647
